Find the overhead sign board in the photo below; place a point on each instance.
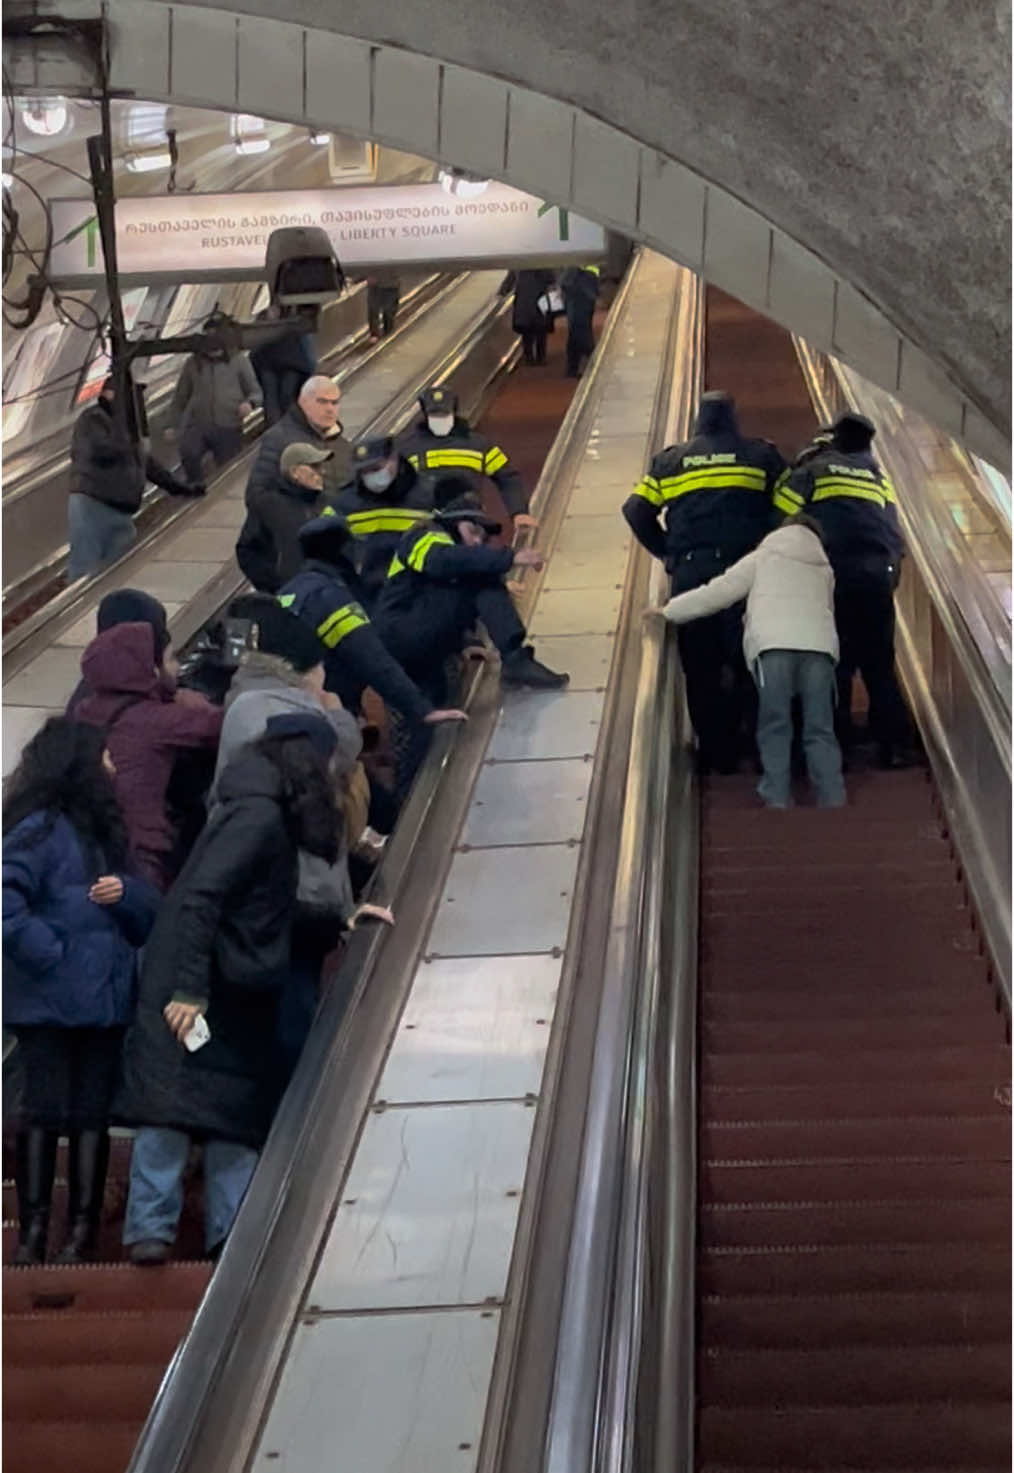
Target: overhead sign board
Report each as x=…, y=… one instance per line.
x=220, y=236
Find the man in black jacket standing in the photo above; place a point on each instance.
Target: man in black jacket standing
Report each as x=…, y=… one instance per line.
x=109, y=473
x=702, y=506
x=269, y=551
x=312, y=420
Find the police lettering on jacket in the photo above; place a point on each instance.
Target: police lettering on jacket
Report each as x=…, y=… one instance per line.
x=699, y=495
x=851, y=497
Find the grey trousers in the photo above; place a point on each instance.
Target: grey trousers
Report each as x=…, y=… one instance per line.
x=780, y=675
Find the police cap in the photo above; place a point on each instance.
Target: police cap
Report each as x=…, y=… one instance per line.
x=330, y=529
x=368, y=454
x=437, y=400
x=466, y=511
x=853, y=431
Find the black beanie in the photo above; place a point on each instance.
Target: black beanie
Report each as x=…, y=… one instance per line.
x=315, y=729
x=131, y=606
x=276, y=631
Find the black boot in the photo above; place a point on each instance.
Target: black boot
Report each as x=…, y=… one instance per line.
x=35, y=1168
x=522, y=668
x=88, y=1161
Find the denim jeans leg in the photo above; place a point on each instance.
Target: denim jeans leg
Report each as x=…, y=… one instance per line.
x=816, y=684
x=775, y=681
x=155, y=1199
x=228, y=1168
x=98, y=534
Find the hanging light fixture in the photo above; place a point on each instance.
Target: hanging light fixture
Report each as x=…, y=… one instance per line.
x=45, y=116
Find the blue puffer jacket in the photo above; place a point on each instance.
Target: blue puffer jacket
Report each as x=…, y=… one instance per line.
x=67, y=961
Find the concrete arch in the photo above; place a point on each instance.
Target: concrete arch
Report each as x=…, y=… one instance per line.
x=798, y=182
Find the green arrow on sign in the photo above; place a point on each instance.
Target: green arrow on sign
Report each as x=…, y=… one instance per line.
x=90, y=226
x=563, y=224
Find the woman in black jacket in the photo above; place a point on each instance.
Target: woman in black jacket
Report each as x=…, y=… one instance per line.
x=531, y=322
x=200, y=1059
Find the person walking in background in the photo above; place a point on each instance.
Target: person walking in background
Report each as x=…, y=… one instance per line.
x=791, y=646
x=580, y=286
x=532, y=319
x=73, y=918
x=383, y=297
x=282, y=367
x=109, y=473
x=215, y=392
x=218, y=962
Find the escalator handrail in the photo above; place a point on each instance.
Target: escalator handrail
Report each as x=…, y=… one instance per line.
x=605, y=1332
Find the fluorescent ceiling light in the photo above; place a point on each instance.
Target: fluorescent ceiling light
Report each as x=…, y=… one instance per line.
x=320, y=137
x=252, y=145
x=147, y=163
x=45, y=116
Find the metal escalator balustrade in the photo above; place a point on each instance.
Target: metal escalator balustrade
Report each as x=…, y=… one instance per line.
x=954, y=639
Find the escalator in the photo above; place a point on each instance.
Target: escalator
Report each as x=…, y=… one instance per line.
x=853, y=1181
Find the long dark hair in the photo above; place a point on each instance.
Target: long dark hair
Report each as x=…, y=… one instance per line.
x=308, y=799
x=61, y=774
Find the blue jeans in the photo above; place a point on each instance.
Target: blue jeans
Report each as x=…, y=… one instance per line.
x=780, y=675
x=98, y=533
x=155, y=1201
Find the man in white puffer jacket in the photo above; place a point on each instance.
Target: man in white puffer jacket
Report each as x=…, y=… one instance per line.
x=791, y=648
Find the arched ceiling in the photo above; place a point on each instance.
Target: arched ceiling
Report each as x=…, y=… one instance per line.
x=843, y=168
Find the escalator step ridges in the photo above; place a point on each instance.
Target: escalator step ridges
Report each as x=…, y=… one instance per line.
x=874, y=1374
x=798, y=1268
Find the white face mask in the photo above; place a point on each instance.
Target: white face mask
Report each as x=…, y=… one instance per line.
x=440, y=424
x=378, y=480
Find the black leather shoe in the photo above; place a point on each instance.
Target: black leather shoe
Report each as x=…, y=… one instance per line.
x=522, y=668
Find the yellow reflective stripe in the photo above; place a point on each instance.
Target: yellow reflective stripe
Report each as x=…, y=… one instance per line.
x=413, y=461
x=495, y=460
x=286, y=600
x=329, y=511
x=787, y=500
x=342, y=622
x=469, y=459
x=397, y=566
x=648, y=488
x=421, y=550
x=890, y=495
x=725, y=478
x=384, y=519
x=827, y=487
x=593, y=270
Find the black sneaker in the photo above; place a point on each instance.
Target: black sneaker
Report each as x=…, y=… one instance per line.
x=150, y=1254
x=522, y=668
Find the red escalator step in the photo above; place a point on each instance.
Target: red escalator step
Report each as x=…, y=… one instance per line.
x=951, y=997
x=49, y=1339
x=871, y=1066
x=88, y=1446
x=923, y=1436
x=852, y=1179
x=787, y=1035
x=798, y=1268
x=107, y=1392
x=981, y=1220
x=945, y=1317
x=975, y=1138
x=859, y=1376
x=101, y=1287
x=980, y=1094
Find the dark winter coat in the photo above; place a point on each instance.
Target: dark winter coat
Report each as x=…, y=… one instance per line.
x=268, y=550
x=68, y=962
x=295, y=429
x=468, y=454
x=146, y=728
x=107, y=467
x=222, y=940
x=210, y=391
x=529, y=286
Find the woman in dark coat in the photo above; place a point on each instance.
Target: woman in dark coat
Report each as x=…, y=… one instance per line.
x=218, y=960
x=530, y=321
x=72, y=920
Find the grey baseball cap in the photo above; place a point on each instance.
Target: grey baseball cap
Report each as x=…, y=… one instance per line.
x=302, y=454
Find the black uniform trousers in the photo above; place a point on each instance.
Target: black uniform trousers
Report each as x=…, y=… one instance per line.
x=864, y=613
x=720, y=694
x=533, y=343
x=382, y=308
x=580, y=335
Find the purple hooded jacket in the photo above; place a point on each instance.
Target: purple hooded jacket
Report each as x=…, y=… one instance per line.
x=146, y=728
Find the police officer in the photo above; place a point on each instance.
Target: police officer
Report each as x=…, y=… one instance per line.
x=386, y=499
x=713, y=495
x=325, y=595
x=852, y=497
x=442, y=441
x=580, y=287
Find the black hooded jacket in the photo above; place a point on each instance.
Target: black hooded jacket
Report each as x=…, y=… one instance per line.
x=713, y=492
x=222, y=940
